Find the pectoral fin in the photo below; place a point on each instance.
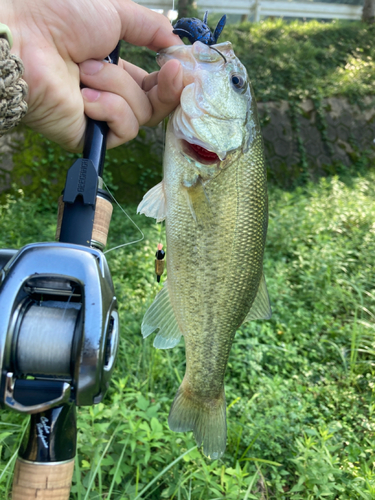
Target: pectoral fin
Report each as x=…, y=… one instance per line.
x=261, y=308
x=199, y=203
x=153, y=203
x=160, y=315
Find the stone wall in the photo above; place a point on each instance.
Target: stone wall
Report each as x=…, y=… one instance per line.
x=327, y=140
x=338, y=134
x=6, y=161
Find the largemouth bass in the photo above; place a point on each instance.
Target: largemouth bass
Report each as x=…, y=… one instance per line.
x=214, y=201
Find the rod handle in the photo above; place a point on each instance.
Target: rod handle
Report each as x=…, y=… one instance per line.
x=95, y=146
x=49, y=481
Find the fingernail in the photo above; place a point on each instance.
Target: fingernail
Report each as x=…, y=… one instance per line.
x=91, y=67
x=90, y=95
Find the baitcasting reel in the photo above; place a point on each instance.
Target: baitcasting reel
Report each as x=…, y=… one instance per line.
x=58, y=326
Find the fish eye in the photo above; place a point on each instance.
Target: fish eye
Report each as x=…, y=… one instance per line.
x=238, y=82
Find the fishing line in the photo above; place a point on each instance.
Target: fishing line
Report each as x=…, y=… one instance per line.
x=68, y=302
x=161, y=231
x=131, y=220
x=164, y=135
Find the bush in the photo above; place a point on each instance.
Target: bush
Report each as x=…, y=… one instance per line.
x=300, y=387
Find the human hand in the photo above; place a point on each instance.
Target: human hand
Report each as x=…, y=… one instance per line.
x=63, y=43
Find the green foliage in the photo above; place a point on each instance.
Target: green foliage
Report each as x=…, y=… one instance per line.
x=289, y=61
x=136, y=166
x=300, y=387
x=40, y=167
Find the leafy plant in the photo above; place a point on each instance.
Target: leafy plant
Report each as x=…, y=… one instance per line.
x=300, y=387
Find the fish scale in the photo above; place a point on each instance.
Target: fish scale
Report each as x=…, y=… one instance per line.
x=216, y=222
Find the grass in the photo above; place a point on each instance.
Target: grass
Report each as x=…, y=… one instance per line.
x=300, y=387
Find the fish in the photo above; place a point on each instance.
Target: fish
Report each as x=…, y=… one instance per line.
x=213, y=198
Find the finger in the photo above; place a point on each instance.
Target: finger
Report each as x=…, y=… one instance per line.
x=91, y=30
x=142, y=26
x=113, y=79
x=149, y=81
x=144, y=79
x=114, y=110
x=165, y=96
x=138, y=74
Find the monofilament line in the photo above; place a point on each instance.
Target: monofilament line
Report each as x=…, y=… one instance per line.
x=131, y=220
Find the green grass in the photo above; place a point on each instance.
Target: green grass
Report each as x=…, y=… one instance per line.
x=300, y=387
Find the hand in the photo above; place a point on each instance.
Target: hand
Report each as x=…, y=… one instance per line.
x=63, y=43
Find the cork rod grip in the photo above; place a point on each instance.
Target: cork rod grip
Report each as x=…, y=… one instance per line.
x=38, y=481
x=102, y=219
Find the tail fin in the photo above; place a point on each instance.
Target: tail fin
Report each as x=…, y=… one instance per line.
x=207, y=419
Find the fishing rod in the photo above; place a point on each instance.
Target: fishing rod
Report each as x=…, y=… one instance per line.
x=59, y=326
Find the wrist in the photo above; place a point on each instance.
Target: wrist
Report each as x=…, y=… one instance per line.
x=6, y=33
x=9, y=20
x=13, y=89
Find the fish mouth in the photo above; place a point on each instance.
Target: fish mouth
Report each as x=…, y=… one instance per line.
x=200, y=154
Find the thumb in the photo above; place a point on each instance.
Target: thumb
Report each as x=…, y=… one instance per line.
x=142, y=26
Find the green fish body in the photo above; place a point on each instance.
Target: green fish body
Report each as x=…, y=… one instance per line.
x=214, y=201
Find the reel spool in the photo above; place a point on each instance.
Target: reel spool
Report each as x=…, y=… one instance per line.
x=58, y=331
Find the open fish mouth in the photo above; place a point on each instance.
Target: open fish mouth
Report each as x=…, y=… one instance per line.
x=199, y=153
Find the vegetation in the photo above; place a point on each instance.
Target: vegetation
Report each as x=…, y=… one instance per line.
x=300, y=387
x=368, y=13
x=290, y=61
x=297, y=60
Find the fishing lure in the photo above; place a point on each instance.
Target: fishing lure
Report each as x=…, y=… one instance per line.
x=159, y=262
x=196, y=30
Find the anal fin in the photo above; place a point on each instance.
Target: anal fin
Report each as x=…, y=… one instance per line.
x=160, y=315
